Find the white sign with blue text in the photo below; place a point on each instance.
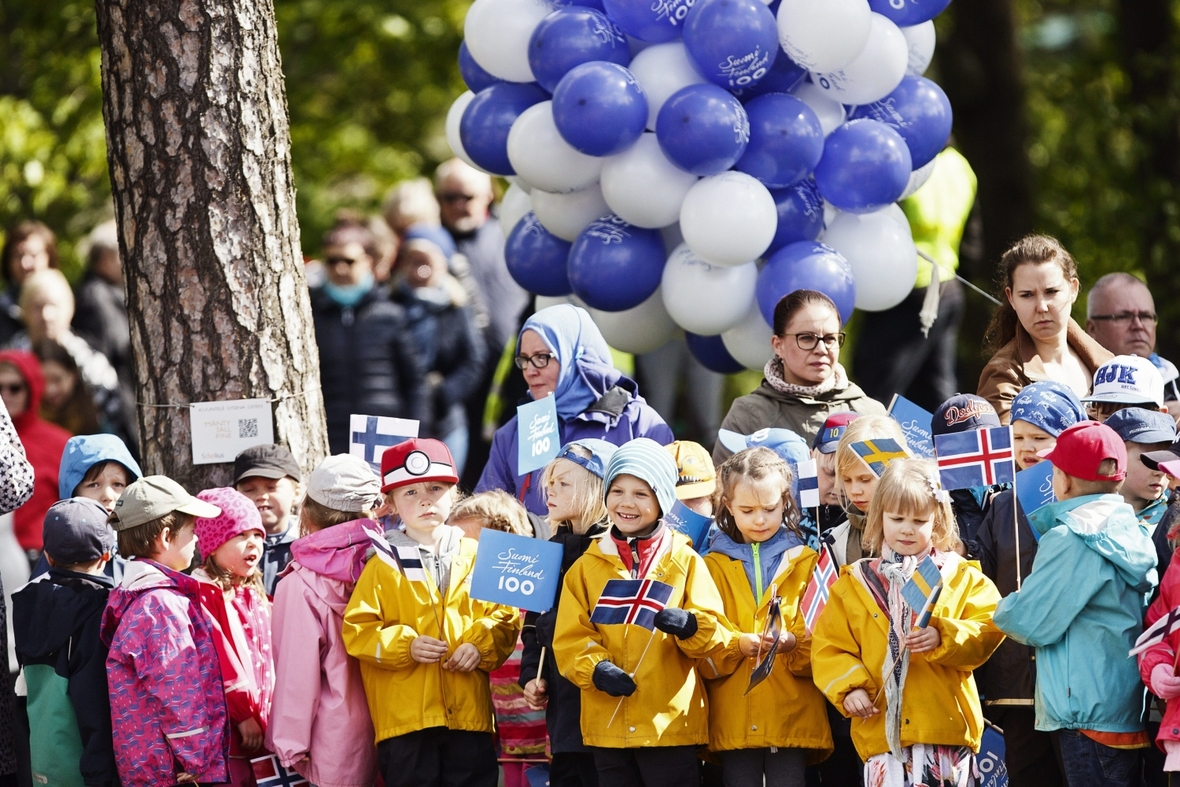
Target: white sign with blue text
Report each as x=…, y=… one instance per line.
x=536, y=431
x=516, y=571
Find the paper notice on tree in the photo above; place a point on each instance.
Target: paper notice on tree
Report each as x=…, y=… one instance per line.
x=222, y=430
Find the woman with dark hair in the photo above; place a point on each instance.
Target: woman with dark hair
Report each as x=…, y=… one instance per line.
x=67, y=403
x=804, y=382
x=30, y=246
x=1032, y=337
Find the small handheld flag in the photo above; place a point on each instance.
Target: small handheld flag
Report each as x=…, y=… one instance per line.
x=773, y=629
x=269, y=772
x=980, y=457
x=815, y=598
x=407, y=560
x=1157, y=632
x=634, y=601
x=808, y=480
x=370, y=435
x=922, y=591
x=877, y=454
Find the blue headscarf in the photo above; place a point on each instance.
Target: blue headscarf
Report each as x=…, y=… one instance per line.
x=1048, y=405
x=577, y=344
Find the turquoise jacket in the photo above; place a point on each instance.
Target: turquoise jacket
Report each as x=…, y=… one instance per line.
x=1082, y=609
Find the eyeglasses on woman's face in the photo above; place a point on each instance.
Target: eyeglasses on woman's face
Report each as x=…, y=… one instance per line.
x=809, y=341
x=538, y=360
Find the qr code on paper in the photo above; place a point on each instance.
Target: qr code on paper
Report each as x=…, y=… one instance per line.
x=247, y=427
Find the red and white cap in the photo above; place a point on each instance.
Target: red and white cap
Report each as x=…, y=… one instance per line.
x=415, y=460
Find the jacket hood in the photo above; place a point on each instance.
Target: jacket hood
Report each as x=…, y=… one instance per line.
x=1108, y=526
x=28, y=367
x=770, y=553
x=53, y=607
x=84, y=452
x=139, y=576
x=337, y=552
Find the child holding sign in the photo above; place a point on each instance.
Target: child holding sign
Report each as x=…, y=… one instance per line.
x=909, y=690
x=762, y=567
x=643, y=713
x=425, y=645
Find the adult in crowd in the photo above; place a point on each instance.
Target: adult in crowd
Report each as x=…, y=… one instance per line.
x=29, y=247
x=368, y=360
x=100, y=314
x=1032, y=337
x=803, y=383
x=1121, y=316
x=411, y=203
x=562, y=353
x=66, y=403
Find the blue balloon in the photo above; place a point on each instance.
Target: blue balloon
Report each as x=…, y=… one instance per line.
x=732, y=43
x=909, y=12
x=919, y=111
x=599, y=108
x=648, y=20
x=806, y=266
x=614, y=266
x=473, y=74
x=703, y=129
x=595, y=4
x=783, y=77
x=571, y=36
x=786, y=140
x=537, y=258
x=800, y=215
x=866, y=166
x=488, y=118
x=711, y=352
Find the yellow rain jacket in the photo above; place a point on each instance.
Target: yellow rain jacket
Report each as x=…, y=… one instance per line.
x=785, y=710
x=669, y=707
x=940, y=704
x=387, y=612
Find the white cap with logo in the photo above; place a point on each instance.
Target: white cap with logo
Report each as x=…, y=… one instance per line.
x=1128, y=379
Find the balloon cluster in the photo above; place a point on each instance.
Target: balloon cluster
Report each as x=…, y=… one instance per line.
x=683, y=164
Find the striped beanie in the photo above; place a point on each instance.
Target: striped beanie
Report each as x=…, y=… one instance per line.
x=648, y=461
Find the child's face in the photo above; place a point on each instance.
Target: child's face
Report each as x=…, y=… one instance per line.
x=632, y=506
x=860, y=485
x=176, y=550
x=107, y=486
x=825, y=464
x=1028, y=441
x=700, y=505
x=274, y=497
x=562, y=491
x=1143, y=485
x=240, y=555
x=909, y=533
x=757, y=508
x=423, y=506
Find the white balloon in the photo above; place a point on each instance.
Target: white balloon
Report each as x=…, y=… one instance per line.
x=566, y=215
x=894, y=211
x=454, y=117
x=545, y=160
x=919, y=177
x=749, y=341
x=519, y=181
x=728, y=219
x=498, y=32
x=643, y=187
x=707, y=299
x=921, y=40
x=875, y=72
x=513, y=207
x=882, y=255
x=638, y=330
x=825, y=35
x=661, y=70
x=831, y=113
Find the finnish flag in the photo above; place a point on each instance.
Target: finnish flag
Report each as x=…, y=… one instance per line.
x=370, y=435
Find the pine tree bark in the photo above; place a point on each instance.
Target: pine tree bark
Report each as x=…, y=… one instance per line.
x=199, y=151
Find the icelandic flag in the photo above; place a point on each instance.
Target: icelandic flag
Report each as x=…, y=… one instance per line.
x=808, y=480
x=269, y=772
x=815, y=598
x=634, y=601
x=407, y=560
x=980, y=457
x=922, y=591
x=1157, y=632
x=877, y=454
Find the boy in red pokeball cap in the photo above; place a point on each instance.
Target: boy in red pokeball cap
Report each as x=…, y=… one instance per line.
x=425, y=646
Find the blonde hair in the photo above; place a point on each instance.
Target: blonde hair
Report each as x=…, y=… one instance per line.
x=411, y=202
x=589, y=498
x=1082, y=486
x=321, y=517
x=753, y=465
x=867, y=427
x=908, y=487
x=49, y=280
x=495, y=510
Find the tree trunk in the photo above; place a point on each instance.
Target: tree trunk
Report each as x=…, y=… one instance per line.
x=199, y=150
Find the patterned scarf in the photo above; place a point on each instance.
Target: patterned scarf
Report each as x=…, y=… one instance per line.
x=773, y=372
x=896, y=571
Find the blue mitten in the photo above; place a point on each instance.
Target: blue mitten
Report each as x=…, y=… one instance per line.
x=612, y=680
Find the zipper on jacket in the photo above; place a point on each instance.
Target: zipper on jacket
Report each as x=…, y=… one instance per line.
x=757, y=575
x=634, y=544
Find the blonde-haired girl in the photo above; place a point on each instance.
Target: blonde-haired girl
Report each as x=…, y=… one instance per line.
x=856, y=482
x=909, y=691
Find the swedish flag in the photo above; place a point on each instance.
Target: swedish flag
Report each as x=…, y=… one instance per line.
x=877, y=454
x=922, y=591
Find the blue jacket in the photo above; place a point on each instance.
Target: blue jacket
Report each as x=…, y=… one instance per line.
x=1082, y=609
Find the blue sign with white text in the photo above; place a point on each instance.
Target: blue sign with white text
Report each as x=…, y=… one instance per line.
x=915, y=422
x=516, y=571
x=537, y=438
x=690, y=523
x=1034, y=487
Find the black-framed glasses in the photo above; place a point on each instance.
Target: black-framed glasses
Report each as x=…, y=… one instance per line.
x=809, y=341
x=539, y=361
x=1126, y=318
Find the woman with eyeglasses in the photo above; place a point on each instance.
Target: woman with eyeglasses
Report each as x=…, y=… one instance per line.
x=804, y=382
x=1031, y=335
x=562, y=354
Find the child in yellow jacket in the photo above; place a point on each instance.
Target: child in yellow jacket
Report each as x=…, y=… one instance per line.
x=644, y=709
x=425, y=646
x=760, y=562
x=915, y=711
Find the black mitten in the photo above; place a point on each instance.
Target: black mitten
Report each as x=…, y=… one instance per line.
x=677, y=622
x=612, y=680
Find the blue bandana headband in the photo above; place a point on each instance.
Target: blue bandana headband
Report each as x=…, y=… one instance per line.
x=1048, y=405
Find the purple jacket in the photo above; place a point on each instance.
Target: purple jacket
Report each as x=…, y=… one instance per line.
x=168, y=708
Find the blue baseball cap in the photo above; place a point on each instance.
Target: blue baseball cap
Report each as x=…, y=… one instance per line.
x=827, y=439
x=964, y=413
x=600, y=453
x=1138, y=425
x=783, y=442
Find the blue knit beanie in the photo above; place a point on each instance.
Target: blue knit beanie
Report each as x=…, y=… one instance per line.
x=647, y=460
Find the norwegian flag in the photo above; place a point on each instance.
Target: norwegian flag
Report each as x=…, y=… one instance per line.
x=269, y=772
x=1157, y=632
x=815, y=598
x=980, y=457
x=634, y=601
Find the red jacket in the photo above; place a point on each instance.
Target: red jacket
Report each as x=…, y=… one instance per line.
x=1164, y=652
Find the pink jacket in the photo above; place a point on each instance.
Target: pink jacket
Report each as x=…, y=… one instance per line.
x=319, y=708
x=1164, y=652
